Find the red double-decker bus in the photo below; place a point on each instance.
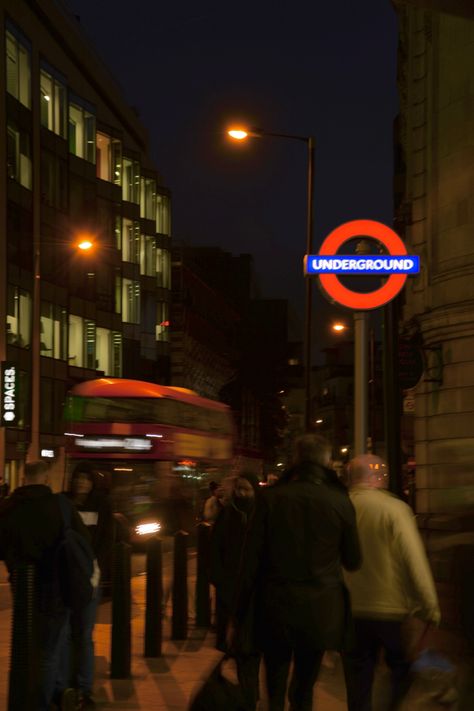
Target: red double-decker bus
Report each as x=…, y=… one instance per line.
x=154, y=447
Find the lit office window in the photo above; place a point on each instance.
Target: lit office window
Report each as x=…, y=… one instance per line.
x=131, y=180
x=89, y=345
x=130, y=241
x=53, y=331
x=54, y=181
x=163, y=268
x=147, y=255
x=162, y=321
x=103, y=345
x=81, y=132
x=76, y=341
x=116, y=354
x=118, y=231
x=19, y=156
x=18, y=69
x=130, y=301
x=147, y=198
x=163, y=217
x=18, y=316
x=108, y=158
x=53, y=104
x=118, y=294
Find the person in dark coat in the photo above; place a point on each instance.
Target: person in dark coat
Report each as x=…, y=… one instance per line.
x=230, y=535
x=31, y=528
x=95, y=510
x=307, y=533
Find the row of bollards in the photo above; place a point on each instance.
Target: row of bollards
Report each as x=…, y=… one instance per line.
x=23, y=678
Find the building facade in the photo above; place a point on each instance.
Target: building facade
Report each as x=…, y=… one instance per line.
x=435, y=211
x=75, y=164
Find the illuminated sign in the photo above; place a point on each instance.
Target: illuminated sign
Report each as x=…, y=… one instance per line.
x=47, y=453
x=109, y=444
x=329, y=265
x=9, y=406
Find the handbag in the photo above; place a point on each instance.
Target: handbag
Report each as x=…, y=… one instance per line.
x=218, y=693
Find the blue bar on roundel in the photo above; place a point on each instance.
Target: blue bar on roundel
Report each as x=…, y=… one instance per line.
x=362, y=265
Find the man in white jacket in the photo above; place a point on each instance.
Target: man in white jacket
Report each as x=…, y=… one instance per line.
x=394, y=583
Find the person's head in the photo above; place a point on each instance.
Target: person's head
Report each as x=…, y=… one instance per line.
x=83, y=479
x=313, y=448
x=369, y=470
x=246, y=489
x=36, y=473
x=213, y=486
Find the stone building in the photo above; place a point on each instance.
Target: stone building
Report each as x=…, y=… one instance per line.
x=435, y=211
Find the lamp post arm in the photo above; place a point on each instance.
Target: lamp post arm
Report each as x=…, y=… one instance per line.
x=260, y=133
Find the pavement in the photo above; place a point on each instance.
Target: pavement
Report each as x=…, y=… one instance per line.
x=169, y=682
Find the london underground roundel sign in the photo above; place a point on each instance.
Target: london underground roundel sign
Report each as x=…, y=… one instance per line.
x=329, y=266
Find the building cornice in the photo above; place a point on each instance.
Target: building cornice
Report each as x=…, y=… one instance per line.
x=461, y=8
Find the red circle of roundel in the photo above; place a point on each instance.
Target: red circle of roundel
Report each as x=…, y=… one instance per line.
x=354, y=299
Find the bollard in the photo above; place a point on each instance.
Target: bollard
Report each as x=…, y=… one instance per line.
x=154, y=598
x=179, y=625
x=203, y=598
x=120, y=657
x=24, y=672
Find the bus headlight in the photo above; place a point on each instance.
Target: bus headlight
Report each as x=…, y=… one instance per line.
x=147, y=529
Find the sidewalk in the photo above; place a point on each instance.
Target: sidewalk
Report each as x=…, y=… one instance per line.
x=164, y=684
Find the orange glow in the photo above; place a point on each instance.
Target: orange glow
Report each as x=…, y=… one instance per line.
x=339, y=327
x=239, y=134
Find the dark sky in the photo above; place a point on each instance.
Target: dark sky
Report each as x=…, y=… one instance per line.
x=323, y=68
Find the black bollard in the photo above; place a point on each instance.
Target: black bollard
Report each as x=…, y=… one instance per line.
x=154, y=598
x=120, y=658
x=24, y=671
x=203, y=598
x=179, y=625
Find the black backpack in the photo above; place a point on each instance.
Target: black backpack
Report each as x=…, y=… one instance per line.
x=74, y=562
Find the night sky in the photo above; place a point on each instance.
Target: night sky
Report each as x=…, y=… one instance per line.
x=326, y=69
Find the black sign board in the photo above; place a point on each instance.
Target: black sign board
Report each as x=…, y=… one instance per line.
x=9, y=394
x=411, y=363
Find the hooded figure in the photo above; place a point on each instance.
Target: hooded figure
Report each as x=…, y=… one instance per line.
x=230, y=538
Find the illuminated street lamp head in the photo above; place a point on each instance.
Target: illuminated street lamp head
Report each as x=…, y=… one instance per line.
x=238, y=134
x=85, y=244
x=339, y=327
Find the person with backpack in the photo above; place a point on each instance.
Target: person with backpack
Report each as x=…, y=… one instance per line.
x=32, y=531
x=95, y=510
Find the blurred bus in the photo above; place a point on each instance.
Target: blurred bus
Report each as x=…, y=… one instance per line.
x=155, y=448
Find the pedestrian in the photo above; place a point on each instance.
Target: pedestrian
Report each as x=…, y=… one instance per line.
x=230, y=534
x=212, y=505
x=31, y=528
x=394, y=584
x=307, y=533
x=95, y=510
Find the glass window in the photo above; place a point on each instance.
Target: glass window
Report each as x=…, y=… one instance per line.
x=53, y=181
x=162, y=321
x=53, y=330
x=18, y=156
x=130, y=241
x=53, y=103
x=147, y=255
x=118, y=231
x=147, y=198
x=163, y=268
x=163, y=217
x=76, y=340
x=116, y=354
x=18, y=316
x=130, y=301
x=81, y=133
x=118, y=294
x=109, y=158
x=18, y=70
x=104, y=350
x=90, y=361
x=131, y=180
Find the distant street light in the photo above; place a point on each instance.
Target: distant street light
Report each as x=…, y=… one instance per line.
x=339, y=327
x=240, y=133
x=319, y=422
x=85, y=245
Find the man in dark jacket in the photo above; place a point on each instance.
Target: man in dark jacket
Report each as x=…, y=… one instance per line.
x=308, y=532
x=31, y=527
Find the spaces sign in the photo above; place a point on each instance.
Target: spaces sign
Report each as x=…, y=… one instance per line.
x=9, y=394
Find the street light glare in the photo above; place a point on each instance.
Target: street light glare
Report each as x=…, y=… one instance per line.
x=237, y=133
x=339, y=327
x=85, y=245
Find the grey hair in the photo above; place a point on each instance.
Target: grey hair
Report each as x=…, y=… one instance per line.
x=312, y=448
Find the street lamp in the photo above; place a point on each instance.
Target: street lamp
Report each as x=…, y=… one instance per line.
x=240, y=134
x=84, y=243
